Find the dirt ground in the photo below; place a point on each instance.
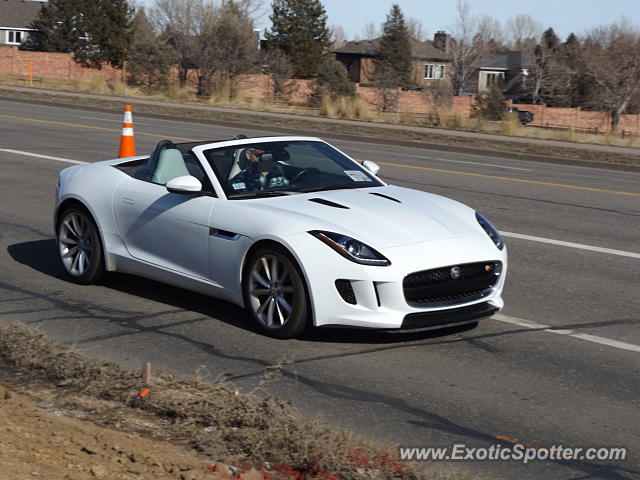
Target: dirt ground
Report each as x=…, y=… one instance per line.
x=64, y=415
x=38, y=440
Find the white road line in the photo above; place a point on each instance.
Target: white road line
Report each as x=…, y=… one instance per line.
x=571, y=333
x=38, y=155
x=580, y=246
x=475, y=163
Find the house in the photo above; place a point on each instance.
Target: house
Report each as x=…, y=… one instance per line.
x=507, y=69
x=16, y=17
x=431, y=62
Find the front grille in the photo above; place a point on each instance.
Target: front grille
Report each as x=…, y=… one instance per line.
x=346, y=291
x=443, y=318
x=439, y=287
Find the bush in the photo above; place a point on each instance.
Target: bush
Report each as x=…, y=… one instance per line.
x=332, y=82
x=492, y=106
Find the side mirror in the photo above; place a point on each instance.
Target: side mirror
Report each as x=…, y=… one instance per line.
x=185, y=184
x=373, y=167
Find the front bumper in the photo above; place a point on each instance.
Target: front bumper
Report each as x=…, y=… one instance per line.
x=379, y=295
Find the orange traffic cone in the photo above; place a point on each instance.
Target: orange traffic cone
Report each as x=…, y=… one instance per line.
x=127, y=144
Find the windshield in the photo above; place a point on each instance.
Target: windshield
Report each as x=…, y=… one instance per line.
x=284, y=168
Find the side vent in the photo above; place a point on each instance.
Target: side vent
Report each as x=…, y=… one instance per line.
x=346, y=291
x=328, y=203
x=385, y=196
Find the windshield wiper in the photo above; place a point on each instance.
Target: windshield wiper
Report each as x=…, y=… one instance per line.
x=261, y=194
x=339, y=186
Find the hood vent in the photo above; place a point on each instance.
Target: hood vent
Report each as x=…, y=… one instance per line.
x=328, y=203
x=385, y=196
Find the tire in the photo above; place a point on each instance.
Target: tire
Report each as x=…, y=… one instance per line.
x=79, y=246
x=275, y=293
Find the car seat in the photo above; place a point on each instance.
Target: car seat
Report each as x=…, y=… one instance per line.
x=240, y=162
x=170, y=165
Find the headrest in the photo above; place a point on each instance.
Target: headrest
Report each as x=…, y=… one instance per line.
x=171, y=155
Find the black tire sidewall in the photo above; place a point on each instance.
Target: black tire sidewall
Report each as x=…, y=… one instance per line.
x=96, y=266
x=300, y=318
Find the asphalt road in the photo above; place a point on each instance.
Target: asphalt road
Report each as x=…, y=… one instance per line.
x=560, y=364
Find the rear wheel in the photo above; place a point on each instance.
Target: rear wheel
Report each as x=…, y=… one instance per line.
x=275, y=293
x=79, y=246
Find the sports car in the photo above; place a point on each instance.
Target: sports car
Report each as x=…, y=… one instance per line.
x=289, y=227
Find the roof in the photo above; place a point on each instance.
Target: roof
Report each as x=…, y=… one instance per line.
x=507, y=60
x=18, y=13
x=368, y=48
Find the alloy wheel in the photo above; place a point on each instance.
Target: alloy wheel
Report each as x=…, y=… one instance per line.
x=75, y=242
x=271, y=291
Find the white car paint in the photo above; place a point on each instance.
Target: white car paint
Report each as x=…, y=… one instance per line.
x=200, y=242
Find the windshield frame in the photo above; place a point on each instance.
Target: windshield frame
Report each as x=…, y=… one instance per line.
x=203, y=151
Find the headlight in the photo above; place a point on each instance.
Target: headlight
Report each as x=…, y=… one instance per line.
x=351, y=248
x=491, y=231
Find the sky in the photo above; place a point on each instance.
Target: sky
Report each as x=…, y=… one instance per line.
x=565, y=16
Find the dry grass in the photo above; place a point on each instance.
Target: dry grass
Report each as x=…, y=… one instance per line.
x=343, y=108
x=233, y=428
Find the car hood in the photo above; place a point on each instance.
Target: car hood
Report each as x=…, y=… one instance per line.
x=401, y=217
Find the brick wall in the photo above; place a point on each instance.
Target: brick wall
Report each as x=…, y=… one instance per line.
x=599, y=122
x=50, y=65
x=62, y=66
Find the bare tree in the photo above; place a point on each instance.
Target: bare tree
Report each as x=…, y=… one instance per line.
x=472, y=37
x=213, y=38
x=177, y=21
x=522, y=32
x=370, y=31
x=417, y=30
x=610, y=56
x=338, y=36
x=489, y=33
x=236, y=51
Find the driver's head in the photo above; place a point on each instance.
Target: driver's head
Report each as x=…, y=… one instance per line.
x=254, y=154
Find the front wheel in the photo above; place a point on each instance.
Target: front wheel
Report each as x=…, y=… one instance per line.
x=79, y=246
x=275, y=293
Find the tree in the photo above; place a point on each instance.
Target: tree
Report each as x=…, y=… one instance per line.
x=338, y=37
x=149, y=61
x=576, y=86
x=61, y=24
x=280, y=71
x=610, y=57
x=178, y=20
x=470, y=42
x=545, y=73
x=299, y=30
x=393, y=62
x=523, y=32
x=370, y=31
x=332, y=82
x=236, y=51
x=96, y=31
x=417, y=30
x=214, y=39
x=493, y=106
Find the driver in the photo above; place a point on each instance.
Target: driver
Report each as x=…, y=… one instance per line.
x=261, y=173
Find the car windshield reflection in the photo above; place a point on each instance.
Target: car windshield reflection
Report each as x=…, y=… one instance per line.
x=265, y=169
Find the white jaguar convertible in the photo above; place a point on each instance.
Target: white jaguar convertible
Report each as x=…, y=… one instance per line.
x=290, y=228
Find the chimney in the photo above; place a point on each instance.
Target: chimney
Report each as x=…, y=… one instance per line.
x=257, y=33
x=442, y=40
